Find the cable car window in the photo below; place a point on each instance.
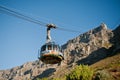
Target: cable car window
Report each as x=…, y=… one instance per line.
x=49, y=47
x=58, y=48
x=43, y=48
x=55, y=47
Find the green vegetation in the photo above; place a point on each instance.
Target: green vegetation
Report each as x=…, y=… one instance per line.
x=82, y=72
x=42, y=79
x=103, y=75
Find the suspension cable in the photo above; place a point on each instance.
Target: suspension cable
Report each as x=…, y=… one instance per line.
x=19, y=15
x=30, y=19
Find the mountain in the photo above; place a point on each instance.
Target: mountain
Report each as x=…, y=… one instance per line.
x=88, y=48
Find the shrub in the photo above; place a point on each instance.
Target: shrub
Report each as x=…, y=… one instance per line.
x=103, y=75
x=82, y=72
x=42, y=79
x=59, y=78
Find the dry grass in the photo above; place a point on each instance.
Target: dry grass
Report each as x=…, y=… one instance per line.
x=110, y=64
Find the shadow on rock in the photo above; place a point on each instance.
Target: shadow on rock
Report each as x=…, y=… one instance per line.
x=46, y=73
x=94, y=57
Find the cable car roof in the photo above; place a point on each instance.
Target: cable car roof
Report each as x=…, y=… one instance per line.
x=51, y=43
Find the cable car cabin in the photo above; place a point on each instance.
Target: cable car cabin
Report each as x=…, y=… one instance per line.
x=51, y=53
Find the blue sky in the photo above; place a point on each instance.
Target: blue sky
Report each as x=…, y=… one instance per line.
x=20, y=39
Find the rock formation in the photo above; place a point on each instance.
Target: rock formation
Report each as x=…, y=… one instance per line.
x=87, y=48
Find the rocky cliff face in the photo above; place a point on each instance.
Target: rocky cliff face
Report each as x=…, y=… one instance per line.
x=87, y=48
x=92, y=43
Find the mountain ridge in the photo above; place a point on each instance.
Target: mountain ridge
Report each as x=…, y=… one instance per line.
x=87, y=48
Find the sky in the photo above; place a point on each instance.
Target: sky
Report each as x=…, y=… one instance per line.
x=20, y=39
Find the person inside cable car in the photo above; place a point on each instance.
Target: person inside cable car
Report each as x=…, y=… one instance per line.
x=49, y=47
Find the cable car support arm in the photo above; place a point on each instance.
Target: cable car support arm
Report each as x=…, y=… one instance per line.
x=49, y=26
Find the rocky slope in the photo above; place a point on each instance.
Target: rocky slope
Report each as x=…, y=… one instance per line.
x=87, y=48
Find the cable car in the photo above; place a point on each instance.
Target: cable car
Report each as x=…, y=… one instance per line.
x=50, y=52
